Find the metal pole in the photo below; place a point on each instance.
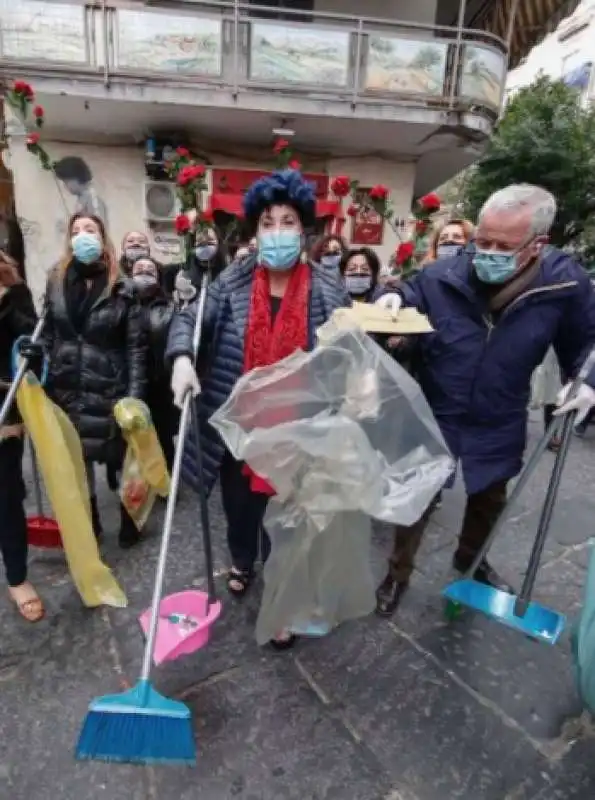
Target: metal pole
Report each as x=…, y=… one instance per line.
x=454, y=84
x=511, y=20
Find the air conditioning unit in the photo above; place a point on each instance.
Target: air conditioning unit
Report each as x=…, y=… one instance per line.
x=161, y=201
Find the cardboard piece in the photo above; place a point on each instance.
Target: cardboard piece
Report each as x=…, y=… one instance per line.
x=374, y=319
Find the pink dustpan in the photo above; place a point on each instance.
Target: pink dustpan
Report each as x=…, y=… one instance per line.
x=184, y=626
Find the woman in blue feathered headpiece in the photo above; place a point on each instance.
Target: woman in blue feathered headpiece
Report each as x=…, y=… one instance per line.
x=259, y=311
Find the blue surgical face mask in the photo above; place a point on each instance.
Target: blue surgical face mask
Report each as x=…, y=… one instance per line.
x=492, y=266
x=205, y=252
x=279, y=250
x=448, y=250
x=86, y=247
x=330, y=261
x=357, y=285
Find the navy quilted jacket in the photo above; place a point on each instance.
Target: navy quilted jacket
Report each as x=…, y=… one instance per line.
x=476, y=373
x=221, y=356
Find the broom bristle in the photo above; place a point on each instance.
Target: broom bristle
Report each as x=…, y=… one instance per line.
x=135, y=738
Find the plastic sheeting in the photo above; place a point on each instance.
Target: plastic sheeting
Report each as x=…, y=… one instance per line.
x=60, y=458
x=343, y=434
x=583, y=641
x=144, y=473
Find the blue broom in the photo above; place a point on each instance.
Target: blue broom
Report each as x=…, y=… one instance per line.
x=141, y=726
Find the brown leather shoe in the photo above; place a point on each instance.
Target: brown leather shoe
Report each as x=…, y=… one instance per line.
x=388, y=596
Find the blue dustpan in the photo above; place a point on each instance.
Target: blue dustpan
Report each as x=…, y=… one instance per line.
x=518, y=612
x=538, y=622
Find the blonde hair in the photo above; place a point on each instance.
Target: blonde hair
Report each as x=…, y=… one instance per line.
x=466, y=226
x=109, y=251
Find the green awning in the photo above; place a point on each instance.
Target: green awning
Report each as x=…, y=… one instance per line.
x=533, y=21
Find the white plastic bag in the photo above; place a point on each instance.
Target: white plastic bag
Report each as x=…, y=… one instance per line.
x=343, y=434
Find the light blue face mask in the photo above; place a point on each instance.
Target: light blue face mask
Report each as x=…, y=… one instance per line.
x=279, y=250
x=448, y=250
x=86, y=247
x=330, y=261
x=492, y=266
x=205, y=252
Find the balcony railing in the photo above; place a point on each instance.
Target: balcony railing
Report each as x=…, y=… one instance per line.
x=239, y=47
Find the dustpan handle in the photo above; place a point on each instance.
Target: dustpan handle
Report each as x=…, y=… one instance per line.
x=36, y=478
x=530, y=465
x=173, y=496
x=203, y=507
x=524, y=596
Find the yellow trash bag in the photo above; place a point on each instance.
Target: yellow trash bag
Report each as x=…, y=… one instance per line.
x=60, y=458
x=144, y=474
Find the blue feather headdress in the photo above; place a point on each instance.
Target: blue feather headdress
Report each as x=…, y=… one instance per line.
x=285, y=187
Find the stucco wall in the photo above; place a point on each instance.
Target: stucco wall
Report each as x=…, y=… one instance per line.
x=44, y=203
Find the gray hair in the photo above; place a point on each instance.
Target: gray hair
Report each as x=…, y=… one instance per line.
x=519, y=196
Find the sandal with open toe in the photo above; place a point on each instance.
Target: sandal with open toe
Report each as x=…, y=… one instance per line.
x=239, y=581
x=285, y=641
x=31, y=609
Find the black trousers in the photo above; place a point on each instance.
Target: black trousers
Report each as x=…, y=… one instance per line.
x=244, y=512
x=13, y=523
x=165, y=418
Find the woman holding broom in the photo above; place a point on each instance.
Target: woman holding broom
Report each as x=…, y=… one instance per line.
x=17, y=318
x=258, y=312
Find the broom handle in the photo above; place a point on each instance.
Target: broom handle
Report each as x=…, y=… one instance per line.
x=19, y=375
x=524, y=596
x=530, y=466
x=172, y=497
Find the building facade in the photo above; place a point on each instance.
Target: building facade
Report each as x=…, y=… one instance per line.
x=406, y=96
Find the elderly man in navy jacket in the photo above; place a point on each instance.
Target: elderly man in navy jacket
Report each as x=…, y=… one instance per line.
x=495, y=311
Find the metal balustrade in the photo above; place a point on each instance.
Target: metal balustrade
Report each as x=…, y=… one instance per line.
x=239, y=46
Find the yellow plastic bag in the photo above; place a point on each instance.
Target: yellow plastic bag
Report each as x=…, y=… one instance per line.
x=144, y=474
x=60, y=458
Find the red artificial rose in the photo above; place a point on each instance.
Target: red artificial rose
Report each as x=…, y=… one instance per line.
x=421, y=226
x=32, y=139
x=182, y=152
x=38, y=111
x=352, y=210
x=24, y=89
x=430, y=202
x=404, y=252
x=378, y=192
x=189, y=173
x=280, y=146
x=207, y=215
x=294, y=164
x=182, y=224
x=341, y=186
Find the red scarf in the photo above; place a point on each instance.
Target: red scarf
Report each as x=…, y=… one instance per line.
x=266, y=343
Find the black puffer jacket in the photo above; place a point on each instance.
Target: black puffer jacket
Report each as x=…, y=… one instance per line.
x=158, y=312
x=17, y=318
x=92, y=369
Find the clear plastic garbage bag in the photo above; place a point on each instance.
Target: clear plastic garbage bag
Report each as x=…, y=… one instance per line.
x=60, y=458
x=583, y=641
x=343, y=434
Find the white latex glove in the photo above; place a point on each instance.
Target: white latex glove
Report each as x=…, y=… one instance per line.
x=183, y=380
x=582, y=403
x=391, y=302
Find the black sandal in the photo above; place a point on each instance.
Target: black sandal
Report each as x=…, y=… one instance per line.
x=243, y=577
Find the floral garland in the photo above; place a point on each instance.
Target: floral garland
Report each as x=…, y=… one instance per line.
x=190, y=180
x=405, y=254
x=21, y=98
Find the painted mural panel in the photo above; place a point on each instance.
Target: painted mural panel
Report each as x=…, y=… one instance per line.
x=152, y=41
x=293, y=54
x=483, y=76
x=406, y=66
x=43, y=31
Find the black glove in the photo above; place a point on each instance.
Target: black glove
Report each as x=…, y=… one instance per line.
x=34, y=354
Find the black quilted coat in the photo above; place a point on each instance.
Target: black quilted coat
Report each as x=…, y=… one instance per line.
x=94, y=367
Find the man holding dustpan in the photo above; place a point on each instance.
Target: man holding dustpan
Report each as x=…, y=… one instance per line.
x=496, y=309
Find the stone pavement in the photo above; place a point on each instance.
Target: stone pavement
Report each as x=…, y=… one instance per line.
x=415, y=709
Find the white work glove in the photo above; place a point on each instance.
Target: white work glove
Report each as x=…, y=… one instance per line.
x=183, y=380
x=582, y=403
x=391, y=302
